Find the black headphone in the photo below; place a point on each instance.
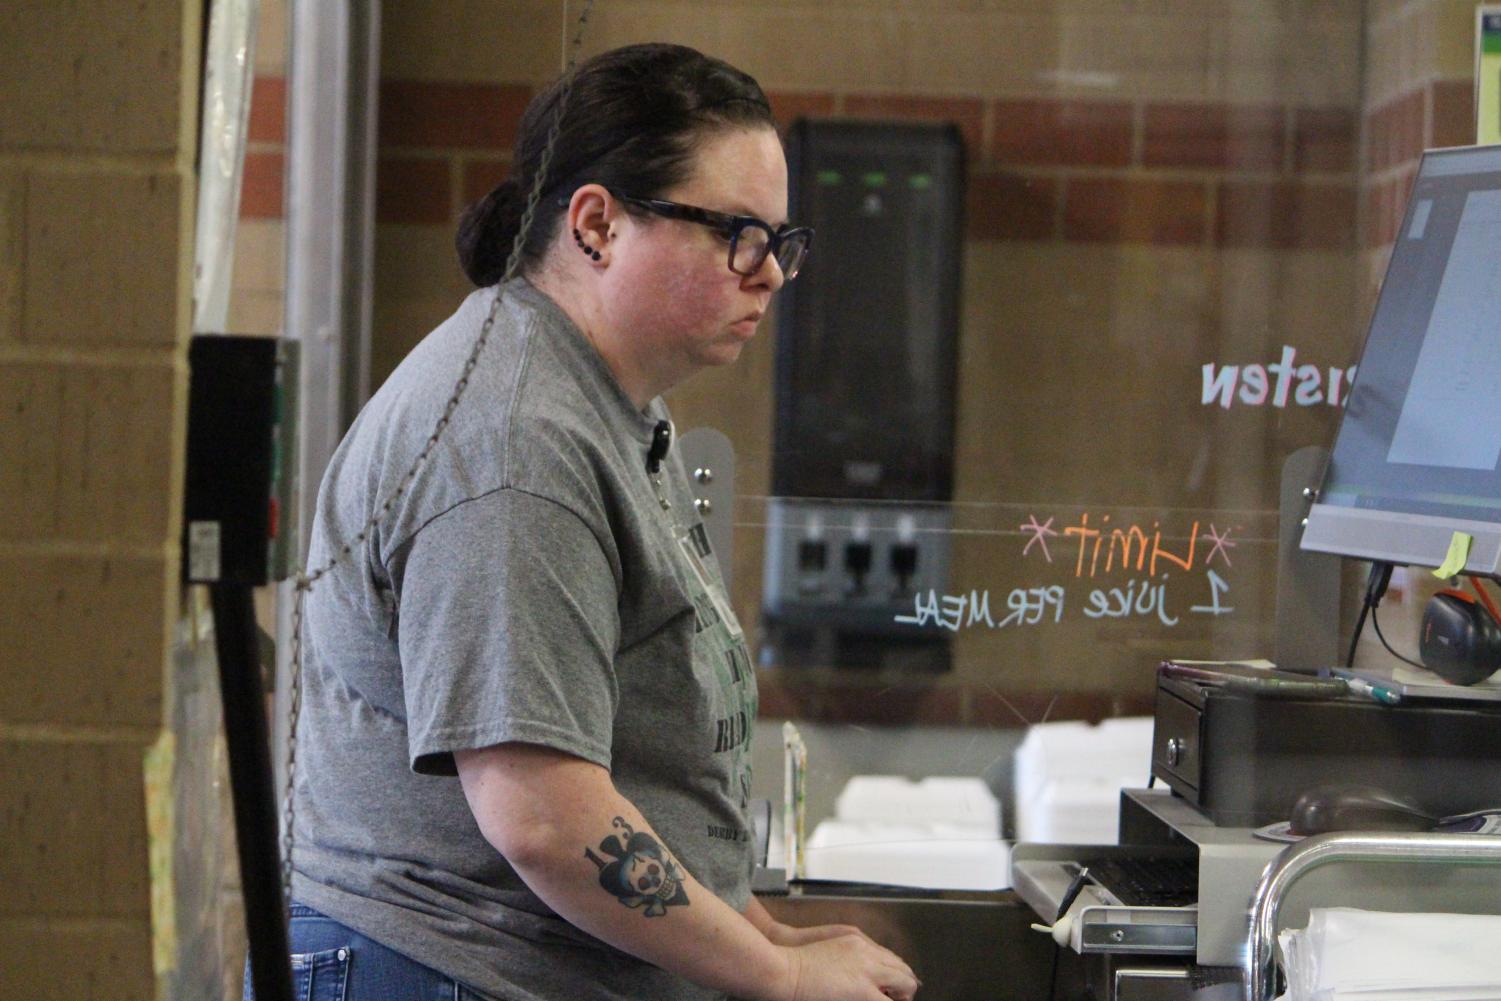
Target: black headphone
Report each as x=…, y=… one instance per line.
x=1461, y=637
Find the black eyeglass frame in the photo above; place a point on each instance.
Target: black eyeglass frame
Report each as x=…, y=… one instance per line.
x=730, y=226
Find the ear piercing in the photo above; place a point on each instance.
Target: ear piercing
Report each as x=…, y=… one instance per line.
x=578, y=238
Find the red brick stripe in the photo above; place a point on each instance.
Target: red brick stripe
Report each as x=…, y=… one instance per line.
x=1453, y=113
x=967, y=113
x=1286, y=216
x=413, y=190
x=481, y=177
x=1121, y=210
x=1064, y=133
x=1011, y=207
x=1206, y=135
x=789, y=106
x=268, y=110
x=1324, y=139
x=1394, y=132
x=420, y=113
x=1385, y=204
x=261, y=191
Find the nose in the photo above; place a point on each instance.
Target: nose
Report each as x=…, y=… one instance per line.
x=769, y=274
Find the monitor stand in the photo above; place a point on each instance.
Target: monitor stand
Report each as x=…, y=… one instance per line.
x=1308, y=584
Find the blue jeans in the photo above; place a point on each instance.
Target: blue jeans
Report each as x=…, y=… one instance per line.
x=333, y=963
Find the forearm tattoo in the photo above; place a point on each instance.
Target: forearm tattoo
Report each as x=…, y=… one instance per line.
x=639, y=872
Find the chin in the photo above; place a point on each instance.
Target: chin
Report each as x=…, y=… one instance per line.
x=729, y=352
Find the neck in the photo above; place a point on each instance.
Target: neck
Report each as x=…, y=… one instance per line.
x=578, y=300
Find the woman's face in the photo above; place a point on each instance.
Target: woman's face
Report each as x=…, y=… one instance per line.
x=669, y=294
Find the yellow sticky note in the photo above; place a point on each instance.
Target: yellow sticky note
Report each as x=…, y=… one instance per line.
x=1488, y=73
x=1459, y=551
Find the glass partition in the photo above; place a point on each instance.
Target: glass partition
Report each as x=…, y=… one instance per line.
x=1163, y=283
x=1171, y=223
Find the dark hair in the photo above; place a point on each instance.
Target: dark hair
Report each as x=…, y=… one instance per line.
x=632, y=122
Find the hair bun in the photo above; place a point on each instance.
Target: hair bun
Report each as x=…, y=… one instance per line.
x=486, y=232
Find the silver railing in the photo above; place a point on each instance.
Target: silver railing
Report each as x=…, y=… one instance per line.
x=1311, y=853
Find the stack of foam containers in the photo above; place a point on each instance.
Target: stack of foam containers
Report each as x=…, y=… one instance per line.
x=937, y=833
x=1068, y=778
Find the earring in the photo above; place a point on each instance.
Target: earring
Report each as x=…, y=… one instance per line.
x=578, y=238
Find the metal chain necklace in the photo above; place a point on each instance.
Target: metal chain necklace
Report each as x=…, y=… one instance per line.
x=305, y=581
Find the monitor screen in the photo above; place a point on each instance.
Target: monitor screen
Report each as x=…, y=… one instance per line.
x=1418, y=453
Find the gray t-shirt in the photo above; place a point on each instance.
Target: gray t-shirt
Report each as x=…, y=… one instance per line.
x=528, y=585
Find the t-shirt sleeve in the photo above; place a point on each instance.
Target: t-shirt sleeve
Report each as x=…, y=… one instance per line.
x=507, y=626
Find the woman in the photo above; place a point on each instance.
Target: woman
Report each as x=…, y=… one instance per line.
x=523, y=762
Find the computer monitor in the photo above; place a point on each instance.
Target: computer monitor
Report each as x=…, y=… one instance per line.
x=1417, y=453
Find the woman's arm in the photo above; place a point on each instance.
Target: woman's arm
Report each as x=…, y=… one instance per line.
x=562, y=825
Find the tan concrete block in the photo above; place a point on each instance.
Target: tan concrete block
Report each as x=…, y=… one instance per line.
x=88, y=452
x=1148, y=55
x=271, y=38
x=929, y=47
x=260, y=256
x=806, y=46
x=499, y=41
x=1300, y=60
x=1381, y=12
x=256, y=313
x=75, y=830
x=86, y=79
x=1454, y=39
x=955, y=53
x=31, y=402
x=12, y=261
x=1140, y=322
x=82, y=960
x=1383, y=61
x=102, y=258
x=83, y=639
x=1438, y=39
x=397, y=326
x=255, y=301
x=1267, y=298
x=418, y=284
x=413, y=262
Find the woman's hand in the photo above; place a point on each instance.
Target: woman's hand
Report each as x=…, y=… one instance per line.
x=781, y=934
x=846, y=967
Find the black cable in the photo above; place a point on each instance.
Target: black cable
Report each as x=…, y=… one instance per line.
x=1359, y=625
x=1375, y=588
x=1377, y=623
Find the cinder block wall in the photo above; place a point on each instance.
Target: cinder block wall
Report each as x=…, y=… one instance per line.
x=97, y=123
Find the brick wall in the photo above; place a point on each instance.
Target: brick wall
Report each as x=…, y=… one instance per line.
x=97, y=125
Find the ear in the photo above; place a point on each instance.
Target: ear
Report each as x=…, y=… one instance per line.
x=591, y=211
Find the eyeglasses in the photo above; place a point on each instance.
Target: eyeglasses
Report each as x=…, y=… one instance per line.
x=751, y=240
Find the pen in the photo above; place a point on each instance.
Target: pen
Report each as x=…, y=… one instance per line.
x=1383, y=695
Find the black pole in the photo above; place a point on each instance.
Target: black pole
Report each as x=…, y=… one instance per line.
x=254, y=799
